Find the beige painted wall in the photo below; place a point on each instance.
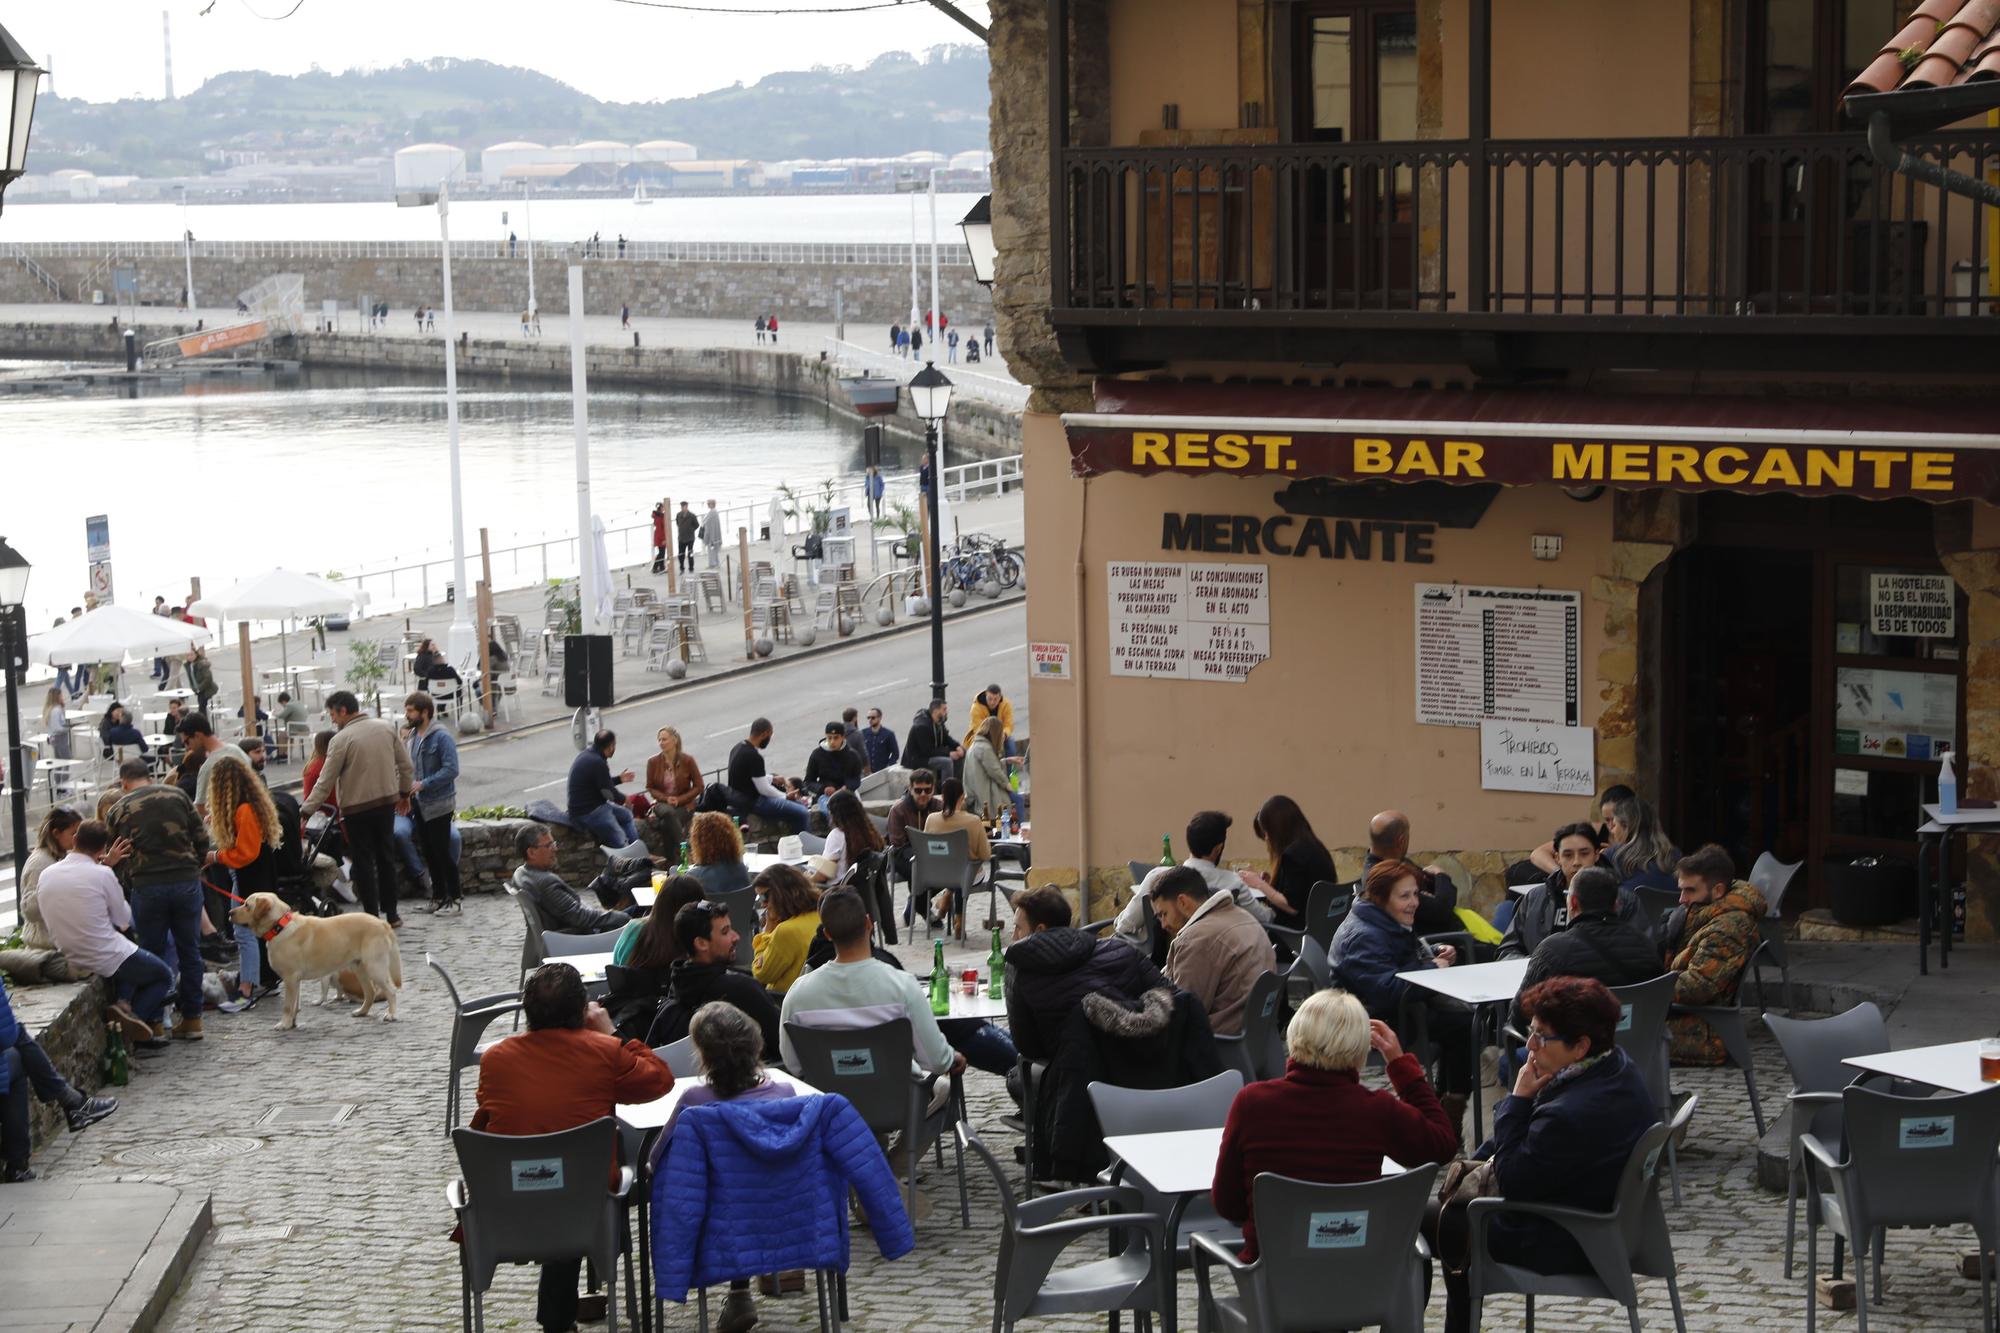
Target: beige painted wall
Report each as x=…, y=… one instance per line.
x=1181, y=51
x=1330, y=719
x=1565, y=68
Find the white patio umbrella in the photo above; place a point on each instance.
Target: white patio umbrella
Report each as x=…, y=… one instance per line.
x=601, y=576
x=277, y=594
x=112, y=634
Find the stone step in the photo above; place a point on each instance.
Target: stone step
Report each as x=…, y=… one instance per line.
x=107, y=1257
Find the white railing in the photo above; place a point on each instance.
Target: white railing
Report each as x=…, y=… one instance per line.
x=679, y=252
x=996, y=389
x=628, y=537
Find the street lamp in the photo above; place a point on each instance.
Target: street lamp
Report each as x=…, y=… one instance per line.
x=461, y=643
x=20, y=79
x=14, y=660
x=978, y=228
x=930, y=395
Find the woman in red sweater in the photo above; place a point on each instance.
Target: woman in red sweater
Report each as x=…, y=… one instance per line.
x=1317, y=1122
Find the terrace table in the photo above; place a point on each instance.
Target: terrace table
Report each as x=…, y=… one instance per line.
x=1953, y=1066
x=1934, y=837
x=1476, y=985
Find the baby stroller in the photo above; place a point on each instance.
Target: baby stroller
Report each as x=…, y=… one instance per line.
x=298, y=851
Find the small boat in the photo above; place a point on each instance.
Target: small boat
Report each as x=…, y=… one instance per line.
x=639, y=194
x=871, y=395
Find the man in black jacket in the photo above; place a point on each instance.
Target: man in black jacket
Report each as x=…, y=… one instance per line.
x=832, y=765
x=1053, y=965
x=930, y=743
x=1597, y=943
x=708, y=940
x=1437, y=896
x=1544, y=909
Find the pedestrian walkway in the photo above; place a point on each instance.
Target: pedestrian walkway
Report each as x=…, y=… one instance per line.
x=94, y=1255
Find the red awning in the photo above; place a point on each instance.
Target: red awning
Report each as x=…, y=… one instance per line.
x=1938, y=449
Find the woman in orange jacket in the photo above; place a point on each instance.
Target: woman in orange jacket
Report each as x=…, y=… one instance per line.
x=243, y=822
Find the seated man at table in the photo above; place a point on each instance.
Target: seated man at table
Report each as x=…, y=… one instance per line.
x=706, y=972
x=1054, y=965
x=1437, y=896
x=751, y=790
x=290, y=711
x=1708, y=940
x=565, y=1070
x=558, y=904
x=1596, y=944
x=1544, y=909
x=1206, y=834
x=1218, y=951
x=917, y=804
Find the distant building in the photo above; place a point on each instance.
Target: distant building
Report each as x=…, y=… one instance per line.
x=664, y=150
x=495, y=161
x=425, y=166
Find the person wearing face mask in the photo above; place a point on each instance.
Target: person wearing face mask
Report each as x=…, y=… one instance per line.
x=753, y=790
x=1544, y=909
x=1709, y=939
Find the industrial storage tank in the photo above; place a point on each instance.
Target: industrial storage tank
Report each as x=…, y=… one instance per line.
x=596, y=150
x=425, y=166
x=494, y=162
x=664, y=150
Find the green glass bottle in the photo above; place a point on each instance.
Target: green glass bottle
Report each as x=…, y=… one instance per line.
x=682, y=866
x=996, y=970
x=1166, y=849
x=117, y=1062
x=940, y=981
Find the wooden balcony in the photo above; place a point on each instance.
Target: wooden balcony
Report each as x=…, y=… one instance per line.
x=1796, y=253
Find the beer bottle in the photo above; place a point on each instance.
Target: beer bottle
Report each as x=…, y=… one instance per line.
x=996, y=970
x=682, y=866
x=1166, y=850
x=940, y=981
x=117, y=1063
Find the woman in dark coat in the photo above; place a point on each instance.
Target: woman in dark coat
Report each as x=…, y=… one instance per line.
x=1376, y=941
x=1299, y=860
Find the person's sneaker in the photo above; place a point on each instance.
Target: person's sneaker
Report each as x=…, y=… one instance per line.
x=89, y=1112
x=739, y=1313
x=17, y=1175
x=133, y=1027
x=239, y=1004
x=188, y=1029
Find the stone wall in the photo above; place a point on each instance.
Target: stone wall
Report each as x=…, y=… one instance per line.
x=68, y=1022
x=863, y=294
x=487, y=858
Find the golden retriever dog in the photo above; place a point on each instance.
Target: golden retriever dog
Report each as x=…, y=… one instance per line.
x=303, y=947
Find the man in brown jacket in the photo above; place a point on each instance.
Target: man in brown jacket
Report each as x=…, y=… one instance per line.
x=369, y=767
x=1219, y=950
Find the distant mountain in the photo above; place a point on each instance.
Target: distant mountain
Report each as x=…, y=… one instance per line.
x=896, y=104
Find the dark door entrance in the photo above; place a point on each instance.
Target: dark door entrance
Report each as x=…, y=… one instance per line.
x=1795, y=718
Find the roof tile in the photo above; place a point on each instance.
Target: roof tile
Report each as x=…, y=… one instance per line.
x=1944, y=42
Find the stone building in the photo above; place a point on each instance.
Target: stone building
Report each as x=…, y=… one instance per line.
x=1466, y=405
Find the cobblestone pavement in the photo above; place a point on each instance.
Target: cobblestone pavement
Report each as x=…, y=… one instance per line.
x=368, y=1248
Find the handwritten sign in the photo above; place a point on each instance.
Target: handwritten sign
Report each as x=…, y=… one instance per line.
x=1538, y=757
x=1923, y=606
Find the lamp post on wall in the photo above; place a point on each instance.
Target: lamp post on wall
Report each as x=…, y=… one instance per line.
x=20, y=80
x=978, y=228
x=930, y=395
x=14, y=661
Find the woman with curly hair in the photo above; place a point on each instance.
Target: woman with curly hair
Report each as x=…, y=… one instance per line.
x=243, y=822
x=715, y=851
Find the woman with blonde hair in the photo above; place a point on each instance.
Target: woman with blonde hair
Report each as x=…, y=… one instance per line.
x=1278, y=1124
x=243, y=822
x=791, y=919
x=986, y=784
x=55, y=721
x=715, y=853
x=673, y=785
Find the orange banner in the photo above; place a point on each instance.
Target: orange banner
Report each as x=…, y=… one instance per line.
x=218, y=340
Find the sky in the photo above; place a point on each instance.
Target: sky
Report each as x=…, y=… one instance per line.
x=613, y=51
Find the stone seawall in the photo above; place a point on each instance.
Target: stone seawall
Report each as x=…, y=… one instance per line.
x=863, y=294
x=976, y=430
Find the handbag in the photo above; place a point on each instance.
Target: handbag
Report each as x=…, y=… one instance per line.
x=1463, y=1181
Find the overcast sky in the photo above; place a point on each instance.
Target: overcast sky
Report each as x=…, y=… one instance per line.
x=107, y=49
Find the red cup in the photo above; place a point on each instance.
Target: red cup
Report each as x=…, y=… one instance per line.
x=970, y=981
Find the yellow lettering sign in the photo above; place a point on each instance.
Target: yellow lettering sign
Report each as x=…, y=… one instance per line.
x=1149, y=448
x=1273, y=445
x=1930, y=472
x=1776, y=465
x=1676, y=462
x=1835, y=468
x=1462, y=458
x=1232, y=451
x=1371, y=456
x=1579, y=462
x=1628, y=463
x=1191, y=449
x=1883, y=461
x=1730, y=476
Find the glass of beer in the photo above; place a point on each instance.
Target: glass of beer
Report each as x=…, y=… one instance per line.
x=659, y=881
x=1989, y=1060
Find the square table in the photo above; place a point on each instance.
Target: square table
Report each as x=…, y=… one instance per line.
x=655, y=1114
x=1934, y=835
x=589, y=965
x=1477, y=985
x=1953, y=1066
x=976, y=1005
x=182, y=694
x=758, y=862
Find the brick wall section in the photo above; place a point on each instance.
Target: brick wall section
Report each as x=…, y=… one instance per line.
x=868, y=294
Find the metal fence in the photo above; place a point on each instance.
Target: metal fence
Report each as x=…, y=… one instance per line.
x=675, y=252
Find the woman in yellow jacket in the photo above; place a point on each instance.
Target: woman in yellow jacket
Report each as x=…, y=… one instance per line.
x=791, y=919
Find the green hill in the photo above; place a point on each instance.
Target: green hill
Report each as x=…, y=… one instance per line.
x=896, y=104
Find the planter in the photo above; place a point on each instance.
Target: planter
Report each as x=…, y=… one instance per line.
x=1865, y=895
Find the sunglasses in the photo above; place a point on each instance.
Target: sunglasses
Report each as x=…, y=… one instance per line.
x=713, y=908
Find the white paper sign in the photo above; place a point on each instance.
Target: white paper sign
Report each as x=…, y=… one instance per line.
x=1048, y=661
x=1188, y=621
x=1512, y=653
x=1535, y=756
x=1922, y=606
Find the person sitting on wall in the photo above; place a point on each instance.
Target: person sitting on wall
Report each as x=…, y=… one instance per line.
x=560, y=906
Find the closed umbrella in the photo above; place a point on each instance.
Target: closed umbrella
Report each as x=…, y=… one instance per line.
x=601, y=577
x=277, y=594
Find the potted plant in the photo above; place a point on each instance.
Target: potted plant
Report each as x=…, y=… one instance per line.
x=366, y=671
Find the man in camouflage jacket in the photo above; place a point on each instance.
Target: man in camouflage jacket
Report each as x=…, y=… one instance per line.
x=1709, y=939
x=162, y=872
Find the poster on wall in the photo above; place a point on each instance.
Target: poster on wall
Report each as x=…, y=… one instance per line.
x=1537, y=757
x=1188, y=621
x=1923, y=606
x=1894, y=714
x=1048, y=661
x=1509, y=653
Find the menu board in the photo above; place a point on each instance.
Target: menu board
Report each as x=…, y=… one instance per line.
x=1512, y=654
x=1188, y=621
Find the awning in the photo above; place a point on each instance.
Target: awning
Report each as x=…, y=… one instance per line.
x=1940, y=450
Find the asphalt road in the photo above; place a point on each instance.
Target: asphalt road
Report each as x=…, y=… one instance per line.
x=800, y=696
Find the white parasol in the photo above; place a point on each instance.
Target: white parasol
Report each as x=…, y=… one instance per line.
x=277, y=594
x=111, y=634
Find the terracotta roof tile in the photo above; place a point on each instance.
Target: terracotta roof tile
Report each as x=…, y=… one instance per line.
x=1945, y=42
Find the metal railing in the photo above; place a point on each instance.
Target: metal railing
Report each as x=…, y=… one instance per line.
x=1718, y=226
x=628, y=537
x=996, y=389
x=36, y=271
x=952, y=256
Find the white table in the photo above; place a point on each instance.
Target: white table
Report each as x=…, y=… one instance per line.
x=758, y=862
x=976, y=1005
x=1473, y=984
x=162, y=741
x=1953, y=1066
x=182, y=694
x=654, y=1114
x=590, y=965
x=643, y=895
x=1182, y=1161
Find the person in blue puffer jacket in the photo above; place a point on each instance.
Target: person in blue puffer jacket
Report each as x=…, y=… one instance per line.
x=759, y=1186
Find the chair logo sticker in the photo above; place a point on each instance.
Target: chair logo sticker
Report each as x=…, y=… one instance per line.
x=1926, y=1131
x=1337, y=1231
x=859, y=1063
x=537, y=1173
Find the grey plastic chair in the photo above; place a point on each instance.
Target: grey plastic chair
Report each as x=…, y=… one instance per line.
x=871, y=1067
x=1771, y=878
x=1326, y=907
x=1203, y=1105
x=533, y=1198
x=1911, y=1162
x=1727, y=1020
x=1313, y=965
x=944, y=861
x=1328, y=1256
x=1035, y=1233
x=679, y=1058
x=1642, y=1035
x=742, y=905
x=1814, y=1051
x=1773, y=950
x=1629, y=1242
x=469, y=1021
x=532, y=951
x=558, y=944
x=1264, y=1021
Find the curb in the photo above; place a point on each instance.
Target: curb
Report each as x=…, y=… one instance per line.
x=157, y=1277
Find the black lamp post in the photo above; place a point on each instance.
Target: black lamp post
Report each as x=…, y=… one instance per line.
x=978, y=228
x=14, y=660
x=20, y=80
x=930, y=395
